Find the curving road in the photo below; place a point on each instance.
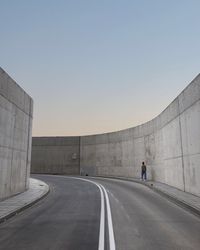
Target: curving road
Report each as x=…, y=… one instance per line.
x=97, y=214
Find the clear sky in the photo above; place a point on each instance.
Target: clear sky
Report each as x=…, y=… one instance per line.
x=96, y=66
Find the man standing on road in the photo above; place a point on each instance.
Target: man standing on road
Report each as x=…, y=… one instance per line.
x=143, y=172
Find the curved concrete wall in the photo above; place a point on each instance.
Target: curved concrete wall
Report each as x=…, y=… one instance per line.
x=56, y=155
x=16, y=109
x=169, y=144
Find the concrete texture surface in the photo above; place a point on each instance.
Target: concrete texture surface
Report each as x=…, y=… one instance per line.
x=169, y=144
x=55, y=155
x=16, y=111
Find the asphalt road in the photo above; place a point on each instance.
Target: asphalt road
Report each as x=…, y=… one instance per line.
x=78, y=214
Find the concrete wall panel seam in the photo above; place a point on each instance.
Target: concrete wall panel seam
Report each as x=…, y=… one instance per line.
x=183, y=170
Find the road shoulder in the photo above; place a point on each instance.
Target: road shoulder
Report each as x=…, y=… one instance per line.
x=181, y=198
x=12, y=206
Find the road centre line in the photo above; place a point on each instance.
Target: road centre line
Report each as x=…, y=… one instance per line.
x=102, y=217
x=110, y=224
x=103, y=193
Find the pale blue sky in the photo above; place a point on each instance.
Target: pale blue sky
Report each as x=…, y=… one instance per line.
x=96, y=66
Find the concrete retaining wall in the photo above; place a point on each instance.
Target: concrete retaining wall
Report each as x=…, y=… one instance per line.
x=55, y=155
x=16, y=111
x=169, y=144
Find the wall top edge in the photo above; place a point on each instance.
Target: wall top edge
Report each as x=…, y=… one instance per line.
x=15, y=94
x=153, y=120
x=2, y=71
x=168, y=114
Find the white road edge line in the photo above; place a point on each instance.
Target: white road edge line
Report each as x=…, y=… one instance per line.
x=102, y=217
